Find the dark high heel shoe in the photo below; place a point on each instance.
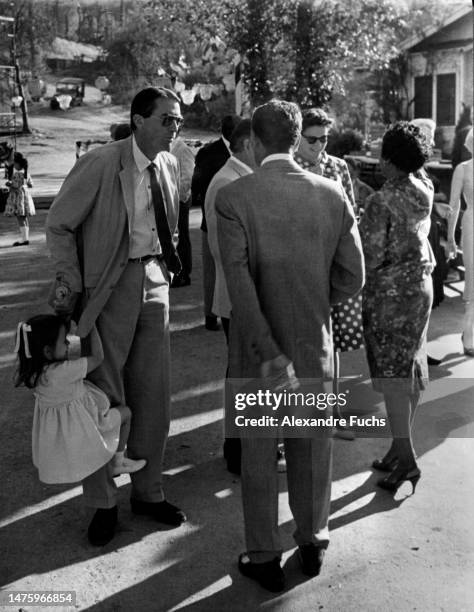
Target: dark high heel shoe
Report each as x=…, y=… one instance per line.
x=399, y=475
x=385, y=466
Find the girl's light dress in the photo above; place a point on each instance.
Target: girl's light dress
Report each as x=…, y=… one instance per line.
x=75, y=432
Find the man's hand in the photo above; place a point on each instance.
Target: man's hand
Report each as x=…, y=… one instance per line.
x=280, y=374
x=62, y=299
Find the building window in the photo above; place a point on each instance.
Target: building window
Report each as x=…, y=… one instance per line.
x=446, y=99
x=424, y=96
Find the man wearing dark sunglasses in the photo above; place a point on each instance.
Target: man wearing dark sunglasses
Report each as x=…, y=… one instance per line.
x=112, y=236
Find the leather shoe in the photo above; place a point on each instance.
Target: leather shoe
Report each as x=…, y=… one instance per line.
x=102, y=527
x=311, y=558
x=163, y=512
x=269, y=575
x=180, y=280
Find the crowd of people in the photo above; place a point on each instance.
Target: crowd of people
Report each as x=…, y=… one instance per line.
x=301, y=261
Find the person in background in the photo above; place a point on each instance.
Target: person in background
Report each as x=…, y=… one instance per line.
x=462, y=185
x=459, y=152
x=185, y=158
x=398, y=292
x=20, y=201
x=209, y=159
x=361, y=190
x=347, y=317
x=240, y=163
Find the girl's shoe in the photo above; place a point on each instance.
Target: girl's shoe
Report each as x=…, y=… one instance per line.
x=24, y=243
x=399, y=475
x=124, y=465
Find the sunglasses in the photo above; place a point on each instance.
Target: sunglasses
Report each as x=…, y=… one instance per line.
x=168, y=120
x=314, y=139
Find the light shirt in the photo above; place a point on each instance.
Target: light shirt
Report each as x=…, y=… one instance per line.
x=240, y=163
x=277, y=156
x=227, y=144
x=143, y=235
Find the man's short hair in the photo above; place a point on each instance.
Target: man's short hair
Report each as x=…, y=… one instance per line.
x=277, y=124
x=144, y=102
x=228, y=125
x=241, y=133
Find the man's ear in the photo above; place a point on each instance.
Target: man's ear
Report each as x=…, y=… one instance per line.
x=48, y=352
x=137, y=120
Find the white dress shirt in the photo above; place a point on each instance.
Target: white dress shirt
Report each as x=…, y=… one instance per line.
x=143, y=236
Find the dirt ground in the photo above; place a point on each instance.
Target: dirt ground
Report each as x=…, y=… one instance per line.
x=401, y=553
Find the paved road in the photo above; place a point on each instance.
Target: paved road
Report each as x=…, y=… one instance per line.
x=387, y=553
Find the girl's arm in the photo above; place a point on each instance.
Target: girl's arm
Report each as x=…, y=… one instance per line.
x=96, y=351
x=455, y=205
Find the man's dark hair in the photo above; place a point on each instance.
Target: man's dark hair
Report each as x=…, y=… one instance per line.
x=278, y=125
x=405, y=146
x=241, y=132
x=315, y=116
x=144, y=102
x=228, y=125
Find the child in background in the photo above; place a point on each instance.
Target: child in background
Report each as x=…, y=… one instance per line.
x=75, y=431
x=20, y=202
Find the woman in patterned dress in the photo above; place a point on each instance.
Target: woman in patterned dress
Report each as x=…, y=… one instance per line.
x=398, y=293
x=311, y=155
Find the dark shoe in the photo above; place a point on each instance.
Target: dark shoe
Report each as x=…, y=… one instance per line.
x=102, y=527
x=21, y=243
x=212, y=324
x=385, y=466
x=311, y=558
x=433, y=362
x=232, y=455
x=180, y=280
x=399, y=475
x=163, y=512
x=269, y=575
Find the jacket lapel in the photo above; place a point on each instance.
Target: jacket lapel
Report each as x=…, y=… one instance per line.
x=127, y=180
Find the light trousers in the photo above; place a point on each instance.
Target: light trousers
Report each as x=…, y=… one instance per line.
x=134, y=328
x=309, y=471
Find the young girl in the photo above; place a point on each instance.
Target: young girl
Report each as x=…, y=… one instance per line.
x=20, y=202
x=75, y=431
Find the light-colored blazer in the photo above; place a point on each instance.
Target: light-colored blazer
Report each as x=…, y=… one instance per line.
x=290, y=248
x=229, y=172
x=88, y=224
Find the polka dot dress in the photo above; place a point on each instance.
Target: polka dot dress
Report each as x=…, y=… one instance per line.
x=346, y=317
x=347, y=325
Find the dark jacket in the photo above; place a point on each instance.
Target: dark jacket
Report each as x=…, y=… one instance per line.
x=209, y=160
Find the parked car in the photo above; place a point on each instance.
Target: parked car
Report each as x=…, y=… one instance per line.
x=66, y=88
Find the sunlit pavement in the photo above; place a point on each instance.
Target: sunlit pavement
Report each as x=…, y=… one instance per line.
x=387, y=553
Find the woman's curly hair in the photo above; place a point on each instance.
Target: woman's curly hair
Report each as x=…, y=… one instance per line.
x=405, y=146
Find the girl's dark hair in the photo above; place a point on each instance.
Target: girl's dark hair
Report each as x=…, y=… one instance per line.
x=405, y=146
x=21, y=160
x=44, y=332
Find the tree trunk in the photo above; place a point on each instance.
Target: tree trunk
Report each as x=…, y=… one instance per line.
x=23, y=106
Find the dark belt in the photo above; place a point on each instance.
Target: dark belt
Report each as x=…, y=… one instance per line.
x=145, y=258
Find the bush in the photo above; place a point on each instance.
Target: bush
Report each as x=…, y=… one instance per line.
x=344, y=141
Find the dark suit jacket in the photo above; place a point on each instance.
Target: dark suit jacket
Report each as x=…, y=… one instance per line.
x=209, y=160
x=290, y=248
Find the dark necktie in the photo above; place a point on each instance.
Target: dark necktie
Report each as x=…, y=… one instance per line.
x=172, y=260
